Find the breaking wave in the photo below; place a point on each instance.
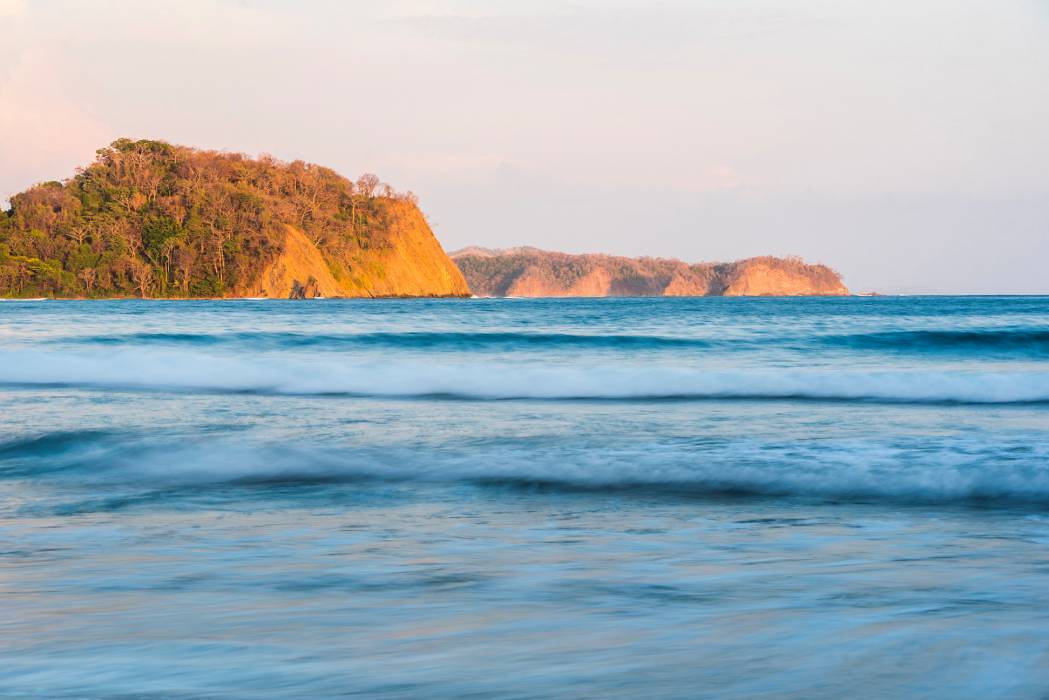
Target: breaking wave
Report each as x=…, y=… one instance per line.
x=1026, y=340
x=942, y=469
x=1023, y=339
x=501, y=380
x=418, y=340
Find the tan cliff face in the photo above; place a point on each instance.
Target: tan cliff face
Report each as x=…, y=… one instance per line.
x=776, y=277
x=298, y=263
x=409, y=262
x=529, y=272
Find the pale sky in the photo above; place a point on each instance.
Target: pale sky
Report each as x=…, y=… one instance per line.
x=903, y=142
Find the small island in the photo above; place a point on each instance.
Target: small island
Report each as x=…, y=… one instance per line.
x=152, y=219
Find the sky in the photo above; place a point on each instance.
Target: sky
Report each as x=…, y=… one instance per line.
x=903, y=142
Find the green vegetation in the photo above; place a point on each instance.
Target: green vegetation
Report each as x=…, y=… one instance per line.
x=151, y=219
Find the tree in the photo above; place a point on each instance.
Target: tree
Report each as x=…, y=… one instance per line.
x=367, y=184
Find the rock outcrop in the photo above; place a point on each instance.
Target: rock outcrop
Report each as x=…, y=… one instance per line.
x=410, y=261
x=298, y=272
x=411, y=264
x=530, y=272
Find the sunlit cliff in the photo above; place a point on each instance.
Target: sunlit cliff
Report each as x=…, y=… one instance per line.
x=529, y=272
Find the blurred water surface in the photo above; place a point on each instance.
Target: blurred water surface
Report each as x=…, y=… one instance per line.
x=670, y=498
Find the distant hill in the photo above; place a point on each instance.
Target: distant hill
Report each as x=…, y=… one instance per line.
x=530, y=272
x=152, y=219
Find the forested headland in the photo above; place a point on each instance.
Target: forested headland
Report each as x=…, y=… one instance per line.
x=152, y=219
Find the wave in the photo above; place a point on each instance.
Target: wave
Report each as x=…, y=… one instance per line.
x=1027, y=340
x=500, y=380
x=407, y=340
x=935, y=469
x=1032, y=341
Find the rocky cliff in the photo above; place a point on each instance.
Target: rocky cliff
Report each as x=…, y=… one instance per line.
x=529, y=272
x=152, y=219
x=411, y=264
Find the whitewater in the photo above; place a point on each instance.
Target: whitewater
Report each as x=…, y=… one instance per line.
x=730, y=498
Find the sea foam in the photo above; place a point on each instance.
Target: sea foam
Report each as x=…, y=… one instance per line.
x=146, y=369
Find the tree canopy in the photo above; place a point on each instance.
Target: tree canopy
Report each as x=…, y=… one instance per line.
x=153, y=219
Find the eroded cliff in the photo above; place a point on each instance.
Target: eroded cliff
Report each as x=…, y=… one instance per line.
x=410, y=263
x=529, y=272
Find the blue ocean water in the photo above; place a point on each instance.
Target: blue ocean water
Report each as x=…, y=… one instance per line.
x=667, y=498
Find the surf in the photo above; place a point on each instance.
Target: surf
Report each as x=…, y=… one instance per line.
x=945, y=469
x=198, y=371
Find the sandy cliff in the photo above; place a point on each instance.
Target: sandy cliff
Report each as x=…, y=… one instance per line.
x=779, y=277
x=298, y=266
x=529, y=272
x=409, y=263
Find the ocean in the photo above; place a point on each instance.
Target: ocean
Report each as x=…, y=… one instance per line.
x=600, y=498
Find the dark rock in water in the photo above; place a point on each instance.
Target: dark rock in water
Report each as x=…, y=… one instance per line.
x=304, y=291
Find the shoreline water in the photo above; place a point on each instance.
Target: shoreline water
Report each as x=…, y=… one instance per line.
x=865, y=296
x=263, y=500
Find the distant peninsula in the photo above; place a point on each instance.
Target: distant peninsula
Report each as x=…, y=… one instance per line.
x=152, y=219
x=530, y=272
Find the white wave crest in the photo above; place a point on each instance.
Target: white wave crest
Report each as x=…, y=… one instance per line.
x=195, y=371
